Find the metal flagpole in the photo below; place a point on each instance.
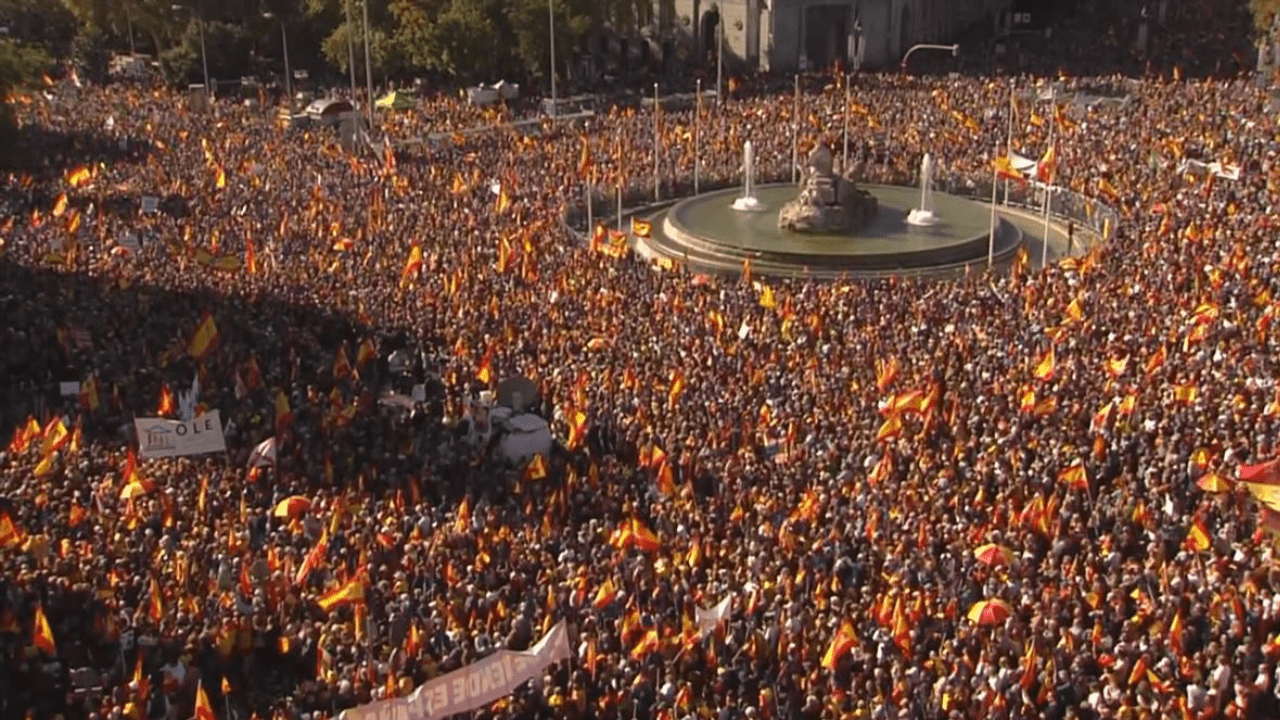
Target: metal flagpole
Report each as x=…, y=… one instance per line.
x=619, y=206
x=991, y=238
x=551, y=20
x=1008, y=143
x=351, y=49
x=1047, y=181
x=795, y=133
x=591, y=224
x=719, y=58
x=844, y=164
x=657, y=178
x=697, y=120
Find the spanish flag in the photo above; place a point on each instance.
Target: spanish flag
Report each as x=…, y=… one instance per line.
x=79, y=176
x=605, y=595
x=10, y=536
x=536, y=469
x=284, y=414
x=1046, y=367
x=642, y=538
x=42, y=635
x=1198, y=538
x=204, y=711
x=351, y=592
x=1005, y=170
x=840, y=644
x=412, y=265
x=641, y=228
x=204, y=339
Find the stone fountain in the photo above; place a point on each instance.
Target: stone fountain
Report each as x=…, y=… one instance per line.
x=828, y=203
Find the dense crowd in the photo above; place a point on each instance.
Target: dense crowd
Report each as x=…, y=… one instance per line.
x=758, y=441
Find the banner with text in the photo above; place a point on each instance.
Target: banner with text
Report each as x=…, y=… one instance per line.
x=162, y=438
x=474, y=686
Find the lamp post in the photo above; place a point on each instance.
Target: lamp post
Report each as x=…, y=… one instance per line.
x=284, y=43
x=204, y=56
x=551, y=24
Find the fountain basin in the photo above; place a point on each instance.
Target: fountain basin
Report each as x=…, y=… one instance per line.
x=709, y=236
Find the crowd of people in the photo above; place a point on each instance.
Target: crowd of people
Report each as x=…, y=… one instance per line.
x=858, y=464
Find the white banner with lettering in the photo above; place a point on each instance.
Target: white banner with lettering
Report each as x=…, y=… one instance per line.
x=474, y=686
x=162, y=438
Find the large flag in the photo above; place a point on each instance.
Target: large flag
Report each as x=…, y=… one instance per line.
x=350, y=592
x=204, y=711
x=204, y=339
x=412, y=265
x=841, y=643
x=1004, y=169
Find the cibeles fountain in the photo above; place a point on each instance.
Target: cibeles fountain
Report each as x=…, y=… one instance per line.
x=827, y=226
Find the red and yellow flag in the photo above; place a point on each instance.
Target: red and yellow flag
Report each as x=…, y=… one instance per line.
x=204, y=339
x=350, y=592
x=840, y=644
x=42, y=635
x=204, y=711
x=412, y=264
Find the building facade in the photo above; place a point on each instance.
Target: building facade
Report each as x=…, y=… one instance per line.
x=790, y=35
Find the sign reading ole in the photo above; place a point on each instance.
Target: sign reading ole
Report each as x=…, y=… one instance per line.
x=162, y=438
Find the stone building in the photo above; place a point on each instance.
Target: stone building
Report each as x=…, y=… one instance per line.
x=786, y=35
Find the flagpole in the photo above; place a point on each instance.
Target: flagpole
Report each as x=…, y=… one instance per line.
x=795, y=133
x=991, y=238
x=1048, y=181
x=1008, y=143
x=657, y=179
x=697, y=120
x=590, y=211
x=619, y=207
x=844, y=163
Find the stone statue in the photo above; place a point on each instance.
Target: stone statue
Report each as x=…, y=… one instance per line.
x=827, y=203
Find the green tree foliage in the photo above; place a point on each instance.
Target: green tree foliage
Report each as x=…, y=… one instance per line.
x=1263, y=13
x=20, y=65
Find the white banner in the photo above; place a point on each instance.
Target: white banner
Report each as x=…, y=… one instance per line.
x=161, y=438
x=474, y=686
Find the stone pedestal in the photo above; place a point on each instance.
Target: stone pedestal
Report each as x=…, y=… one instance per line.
x=828, y=203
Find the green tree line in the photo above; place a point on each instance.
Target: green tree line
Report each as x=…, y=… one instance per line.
x=457, y=40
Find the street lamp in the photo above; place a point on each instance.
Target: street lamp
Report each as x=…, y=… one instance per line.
x=284, y=40
x=204, y=57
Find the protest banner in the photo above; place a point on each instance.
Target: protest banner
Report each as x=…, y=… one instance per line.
x=162, y=438
x=474, y=686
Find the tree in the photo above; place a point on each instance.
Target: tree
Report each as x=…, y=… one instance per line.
x=530, y=24
x=1264, y=12
x=463, y=39
x=20, y=65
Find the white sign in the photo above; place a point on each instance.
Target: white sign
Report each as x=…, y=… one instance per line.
x=69, y=388
x=161, y=438
x=474, y=686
